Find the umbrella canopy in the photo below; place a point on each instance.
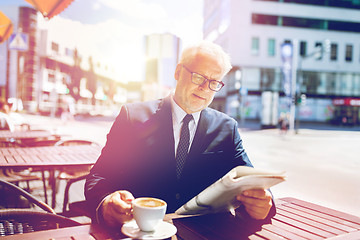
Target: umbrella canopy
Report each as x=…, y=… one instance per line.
x=6, y=27
x=50, y=8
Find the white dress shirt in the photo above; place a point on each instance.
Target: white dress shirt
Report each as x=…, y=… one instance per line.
x=177, y=117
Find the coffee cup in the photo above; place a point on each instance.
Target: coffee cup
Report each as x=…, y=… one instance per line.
x=148, y=212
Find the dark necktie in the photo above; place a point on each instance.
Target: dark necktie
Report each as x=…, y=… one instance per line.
x=183, y=147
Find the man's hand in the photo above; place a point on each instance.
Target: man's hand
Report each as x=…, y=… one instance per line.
x=257, y=202
x=116, y=208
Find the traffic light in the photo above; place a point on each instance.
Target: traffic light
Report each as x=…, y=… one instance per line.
x=301, y=99
x=319, y=50
x=327, y=45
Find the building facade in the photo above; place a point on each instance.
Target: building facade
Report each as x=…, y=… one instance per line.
x=325, y=39
x=42, y=76
x=162, y=55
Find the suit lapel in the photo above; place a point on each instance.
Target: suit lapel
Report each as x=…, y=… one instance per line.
x=198, y=143
x=164, y=116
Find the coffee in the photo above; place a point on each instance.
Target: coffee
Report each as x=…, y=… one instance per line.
x=150, y=202
x=148, y=212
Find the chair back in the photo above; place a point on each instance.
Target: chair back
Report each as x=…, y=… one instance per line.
x=73, y=142
x=24, y=220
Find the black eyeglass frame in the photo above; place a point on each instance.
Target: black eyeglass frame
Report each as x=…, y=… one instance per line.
x=206, y=80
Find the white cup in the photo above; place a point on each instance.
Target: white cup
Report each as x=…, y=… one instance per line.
x=148, y=212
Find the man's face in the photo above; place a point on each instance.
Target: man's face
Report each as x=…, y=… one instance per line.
x=189, y=96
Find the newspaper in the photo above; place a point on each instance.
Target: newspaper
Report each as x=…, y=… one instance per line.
x=220, y=196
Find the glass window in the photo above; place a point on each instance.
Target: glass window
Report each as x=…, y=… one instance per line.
x=264, y=19
x=333, y=52
x=255, y=45
x=331, y=83
x=303, y=52
x=55, y=47
x=267, y=79
x=69, y=52
x=303, y=22
x=344, y=26
x=356, y=84
x=348, y=53
x=311, y=81
x=346, y=84
x=271, y=47
x=344, y=3
x=313, y=2
x=51, y=77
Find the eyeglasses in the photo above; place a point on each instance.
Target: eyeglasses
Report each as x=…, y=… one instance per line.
x=200, y=80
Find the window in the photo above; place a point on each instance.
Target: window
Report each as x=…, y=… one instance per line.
x=311, y=23
x=344, y=26
x=51, y=77
x=348, y=53
x=69, y=52
x=264, y=19
x=303, y=23
x=271, y=47
x=303, y=52
x=55, y=47
x=255, y=45
x=333, y=52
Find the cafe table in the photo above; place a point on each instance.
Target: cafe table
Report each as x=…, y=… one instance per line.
x=8, y=138
x=31, y=134
x=49, y=158
x=295, y=219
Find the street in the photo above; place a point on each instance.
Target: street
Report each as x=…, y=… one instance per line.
x=322, y=166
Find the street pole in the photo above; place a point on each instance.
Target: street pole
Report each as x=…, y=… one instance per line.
x=293, y=84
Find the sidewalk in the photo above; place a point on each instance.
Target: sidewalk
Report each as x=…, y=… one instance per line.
x=249, y=125
x=321, y=161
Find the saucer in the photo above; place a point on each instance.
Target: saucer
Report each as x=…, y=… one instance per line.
x=162, y=231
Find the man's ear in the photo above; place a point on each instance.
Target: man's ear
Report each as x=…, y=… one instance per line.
x=177, y=71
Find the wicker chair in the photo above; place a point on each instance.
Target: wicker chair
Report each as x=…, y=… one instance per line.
x=76, y=174
x=77, y=208
x=23, y=220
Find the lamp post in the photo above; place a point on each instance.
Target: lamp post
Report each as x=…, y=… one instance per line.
x=297, y=67
x=237, y=85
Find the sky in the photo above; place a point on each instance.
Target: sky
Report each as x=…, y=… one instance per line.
x=113, y=31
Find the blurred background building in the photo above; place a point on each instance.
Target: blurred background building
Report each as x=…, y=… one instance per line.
x=318, y=82
x=325, y=39
x=162, y=55
x=50, y=77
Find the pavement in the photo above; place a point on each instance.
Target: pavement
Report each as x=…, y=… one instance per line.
x=321, y=161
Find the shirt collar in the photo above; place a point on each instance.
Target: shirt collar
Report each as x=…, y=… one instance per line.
x=179, y=114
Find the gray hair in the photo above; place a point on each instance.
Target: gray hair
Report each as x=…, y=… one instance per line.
x=210, y=48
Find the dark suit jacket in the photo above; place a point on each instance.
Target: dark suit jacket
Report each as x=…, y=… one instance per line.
x=139, y=155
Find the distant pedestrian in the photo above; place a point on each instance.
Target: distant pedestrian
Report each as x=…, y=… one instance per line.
x=68, y=109
x=5, y=121
x=283, y=123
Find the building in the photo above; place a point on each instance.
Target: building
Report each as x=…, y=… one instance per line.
x=19, y=67
x=47, y=75
x=162, y=55
x=325, y=39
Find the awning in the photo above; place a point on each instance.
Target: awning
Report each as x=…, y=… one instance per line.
x=6, y=27
x=50, y=8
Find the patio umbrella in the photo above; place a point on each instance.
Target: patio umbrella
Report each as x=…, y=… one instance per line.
x=50, y=8
x=6, y=27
